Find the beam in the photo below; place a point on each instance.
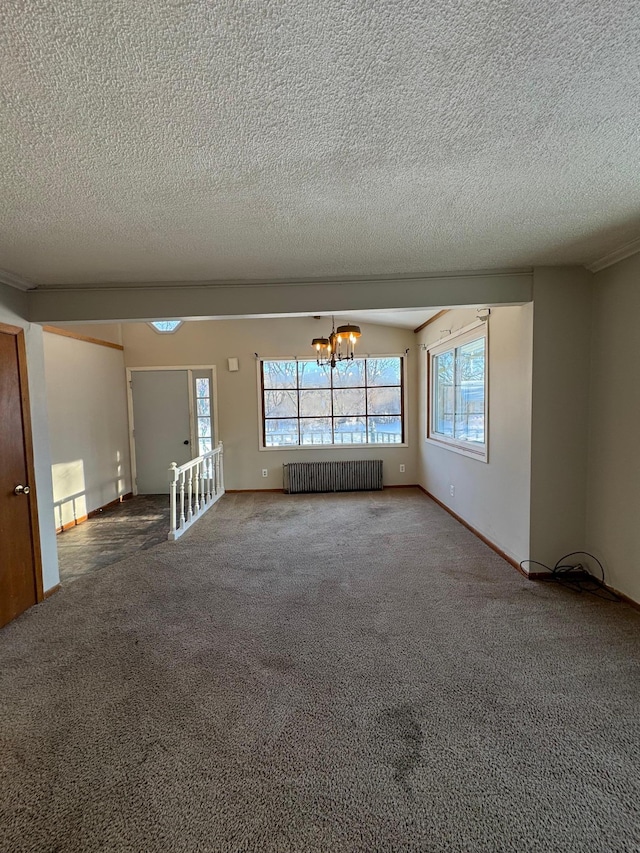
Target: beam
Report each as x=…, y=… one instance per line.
x=199, y=300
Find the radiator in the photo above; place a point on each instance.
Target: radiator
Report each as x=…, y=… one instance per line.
x=333, y=476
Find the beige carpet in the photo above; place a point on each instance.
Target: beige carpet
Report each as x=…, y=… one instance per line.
x=320, y=673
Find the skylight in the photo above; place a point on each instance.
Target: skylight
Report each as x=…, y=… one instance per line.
x=165, y=327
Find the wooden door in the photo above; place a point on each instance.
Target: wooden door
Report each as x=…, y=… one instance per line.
x=20, y=561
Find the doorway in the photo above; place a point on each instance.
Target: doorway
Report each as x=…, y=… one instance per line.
x=20, y=563
x=173, y=417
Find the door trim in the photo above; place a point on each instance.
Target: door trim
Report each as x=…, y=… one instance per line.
x=21, y=347
x=189, y=368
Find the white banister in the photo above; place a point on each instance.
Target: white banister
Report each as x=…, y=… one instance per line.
x=209, y=467
x=173, y=480
x=199, y=485
x=193, y=488
x=181, y=497
x=220, y=479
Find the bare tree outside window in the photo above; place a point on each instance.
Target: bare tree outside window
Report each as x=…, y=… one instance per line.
x=358, y=402
x=458, y=392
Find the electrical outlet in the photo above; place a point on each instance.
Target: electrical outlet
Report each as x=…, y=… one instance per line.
x=265, y=472
x=452, y=491
x=402, y=469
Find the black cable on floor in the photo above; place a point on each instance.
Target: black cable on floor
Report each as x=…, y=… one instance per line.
x=576, y=576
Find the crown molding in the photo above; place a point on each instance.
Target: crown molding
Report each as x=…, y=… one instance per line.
x=13, y=280
x=613, y=257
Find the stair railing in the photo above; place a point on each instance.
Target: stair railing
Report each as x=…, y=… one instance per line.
x=193, y=488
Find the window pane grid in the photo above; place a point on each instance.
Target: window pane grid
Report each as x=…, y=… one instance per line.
x=358, y=405
x=203, y=413
x=458, y=378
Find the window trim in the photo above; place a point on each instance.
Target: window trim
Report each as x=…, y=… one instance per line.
x=473, y=332
x=296, y=447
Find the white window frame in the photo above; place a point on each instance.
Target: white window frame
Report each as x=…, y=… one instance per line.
x=472, y=332
x=306, y=447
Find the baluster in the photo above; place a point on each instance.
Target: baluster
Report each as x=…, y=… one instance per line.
x=197, y=489
x=221, y=466
x=182, y=519
x=190, y=491
x=209, y=477
x=203, y=494
x=173, y=478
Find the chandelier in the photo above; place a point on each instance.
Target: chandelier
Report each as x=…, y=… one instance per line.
x=339, y=346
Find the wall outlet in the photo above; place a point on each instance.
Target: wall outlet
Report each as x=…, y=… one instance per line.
x=265, y=472
x=402, y=469
x=452, y=491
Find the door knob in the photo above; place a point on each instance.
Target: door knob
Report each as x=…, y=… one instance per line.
x=186, y=442
x=22, y=490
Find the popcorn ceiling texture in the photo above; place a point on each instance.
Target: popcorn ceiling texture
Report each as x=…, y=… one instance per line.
x=240, y=139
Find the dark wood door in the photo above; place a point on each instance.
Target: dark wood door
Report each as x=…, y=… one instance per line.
x=20, y=564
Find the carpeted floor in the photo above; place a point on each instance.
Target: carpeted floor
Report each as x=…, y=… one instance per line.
x=323, y=673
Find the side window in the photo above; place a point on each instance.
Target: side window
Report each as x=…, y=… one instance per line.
x=457, y=392
x=204, y=414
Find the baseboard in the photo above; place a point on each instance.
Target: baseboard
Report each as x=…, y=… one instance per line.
x=477, y=533
x=119, y=500
x=79, y=520
x=532, y=576
x=394, y=486
x=246, y=491
x=401, y=486
x=630, y=601
x=82, y=518
x=51, y=591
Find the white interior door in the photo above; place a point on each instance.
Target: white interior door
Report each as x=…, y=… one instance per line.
x=162, y=426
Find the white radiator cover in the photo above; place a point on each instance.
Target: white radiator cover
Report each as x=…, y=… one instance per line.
x=361, y=475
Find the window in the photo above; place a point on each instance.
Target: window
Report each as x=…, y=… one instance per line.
x=458, y=391
x=358, y=402
x=203, y=414
x=166, y=327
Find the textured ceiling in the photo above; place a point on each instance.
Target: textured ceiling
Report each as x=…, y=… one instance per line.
x=235, y=140
x=403, y=319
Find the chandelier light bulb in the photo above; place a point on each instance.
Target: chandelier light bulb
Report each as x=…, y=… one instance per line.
x=339, y=346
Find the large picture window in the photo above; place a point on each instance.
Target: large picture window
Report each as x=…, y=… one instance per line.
x=358, y=402
x=458, y=391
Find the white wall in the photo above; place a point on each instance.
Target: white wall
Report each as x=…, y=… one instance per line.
x=613, y=496
x=212, y=342
x=562, y=299
x=492, y=497
x=88, y=426
x=13, y=308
